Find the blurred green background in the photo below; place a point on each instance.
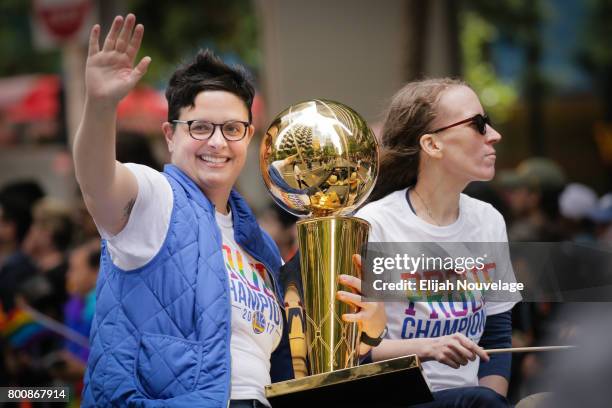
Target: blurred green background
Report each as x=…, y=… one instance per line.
x=541, y=67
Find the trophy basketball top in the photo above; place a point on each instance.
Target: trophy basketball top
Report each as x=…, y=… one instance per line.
x=319, y=158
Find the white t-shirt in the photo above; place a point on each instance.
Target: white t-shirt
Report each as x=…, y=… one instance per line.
x=143, y=235
x=256, y=315
x=392, y=220
x=257, y=323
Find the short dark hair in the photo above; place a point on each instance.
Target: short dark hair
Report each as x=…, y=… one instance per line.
x=93, y=253
x=207, y=72
x=93, y=259
x=134, y=147
x=54, y=216
x=28, y=190
x=15, y=210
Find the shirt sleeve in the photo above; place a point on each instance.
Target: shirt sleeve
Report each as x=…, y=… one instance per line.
x=497, y=334
x=501, y=301
x=145, y=232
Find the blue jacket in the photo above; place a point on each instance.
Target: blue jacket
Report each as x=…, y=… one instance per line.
x=161, y=333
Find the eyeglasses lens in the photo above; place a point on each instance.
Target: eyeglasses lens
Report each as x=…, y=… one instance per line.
x=232, y=130
x=202, y=129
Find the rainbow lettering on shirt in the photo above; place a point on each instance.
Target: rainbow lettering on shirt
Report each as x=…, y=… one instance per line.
x=254, y=296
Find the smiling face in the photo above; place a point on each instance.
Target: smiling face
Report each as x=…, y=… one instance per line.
x=464, y=153
x=214, y=164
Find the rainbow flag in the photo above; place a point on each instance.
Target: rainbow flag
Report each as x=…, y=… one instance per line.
x=20, y=329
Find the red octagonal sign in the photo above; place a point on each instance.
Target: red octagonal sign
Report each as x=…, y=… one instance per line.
x=62, y=18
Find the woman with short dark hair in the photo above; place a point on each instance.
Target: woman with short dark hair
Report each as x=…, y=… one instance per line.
x=188, y=304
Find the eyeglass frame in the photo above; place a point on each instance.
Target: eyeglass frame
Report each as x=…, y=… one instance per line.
x=190, y=122
x=485, y=120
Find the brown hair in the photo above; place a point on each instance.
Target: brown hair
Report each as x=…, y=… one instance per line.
x=408, y=117
x=54, y=216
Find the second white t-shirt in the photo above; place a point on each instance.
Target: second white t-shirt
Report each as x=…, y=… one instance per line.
x=392, y=220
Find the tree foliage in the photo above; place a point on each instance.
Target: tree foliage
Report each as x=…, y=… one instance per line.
x=497, y=97
x=174, y=33
x=18, y=54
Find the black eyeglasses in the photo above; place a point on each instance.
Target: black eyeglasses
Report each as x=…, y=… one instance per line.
x=481, y=122
x=232, y=130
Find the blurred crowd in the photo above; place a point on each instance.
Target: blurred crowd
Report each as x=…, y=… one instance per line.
x=49, y=263
x=541, y=204
x=50, y=254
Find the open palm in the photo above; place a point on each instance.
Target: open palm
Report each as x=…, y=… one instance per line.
x=110, y=72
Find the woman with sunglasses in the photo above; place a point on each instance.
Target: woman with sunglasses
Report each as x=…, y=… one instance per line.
x=436, y=140
x=189, y=311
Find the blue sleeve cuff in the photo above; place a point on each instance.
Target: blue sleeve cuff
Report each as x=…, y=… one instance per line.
x=366, y=358
x=497, y=334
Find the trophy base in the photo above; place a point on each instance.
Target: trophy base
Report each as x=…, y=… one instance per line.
x=398, y=382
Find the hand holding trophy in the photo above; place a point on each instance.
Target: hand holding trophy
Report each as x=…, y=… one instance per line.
x=319, y=161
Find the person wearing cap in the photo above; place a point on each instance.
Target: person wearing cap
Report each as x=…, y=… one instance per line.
x=576, y=202
x=532, y=191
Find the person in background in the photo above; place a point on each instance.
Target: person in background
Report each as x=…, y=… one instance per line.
x=576, y=202
x=26, y=344
x=47, y=243
x=484, y=191
x=532, y=191
x=84, y=226
x=81, y=279
x=281, y=227
x=16, y=201
x=133, y=147
x=31, y=346
x=15, y=266
x=29, y=191
x=71, y=361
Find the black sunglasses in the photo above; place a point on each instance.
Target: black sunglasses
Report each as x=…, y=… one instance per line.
x=481, y=122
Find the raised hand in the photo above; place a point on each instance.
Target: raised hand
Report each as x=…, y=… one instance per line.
x=110, y=72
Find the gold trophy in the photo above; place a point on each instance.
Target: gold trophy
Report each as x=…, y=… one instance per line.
x=320, y=160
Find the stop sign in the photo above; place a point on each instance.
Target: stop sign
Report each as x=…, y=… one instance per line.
x=61, y=20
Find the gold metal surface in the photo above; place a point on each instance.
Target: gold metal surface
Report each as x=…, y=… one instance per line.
x=326, y=248
x=341, y=376
x=319, y=158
